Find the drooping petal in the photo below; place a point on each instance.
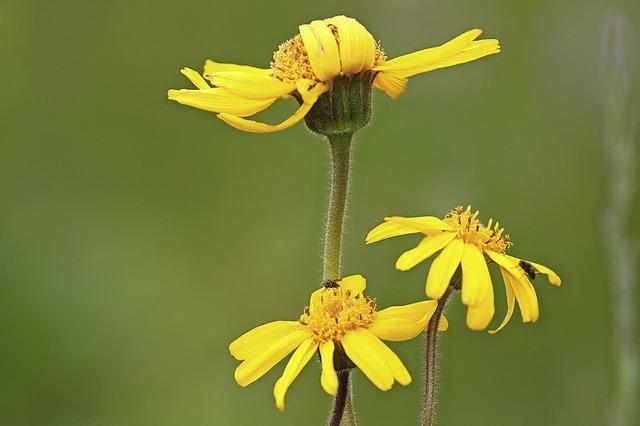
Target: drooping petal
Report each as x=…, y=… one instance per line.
x=367, y=359
x=438, y=57
x=520, y=284
x=328, y=378
x=554, y=278
x=322, y=48
x=480, y=314
x=256, y=127
x=443, y=268
x=264, y=335
x=476, y=281
x=212, y=67
x=387, y=230
x=357, y=46
x=354, y=283
x=475, y=50
x=255, y=367
x=425, y=224
x=195, y=78
x=426, y=248
x=298, y=360
x=511, y=302
x=395, y=366
x=392, y=85
x=251, y=85
x=220, y=101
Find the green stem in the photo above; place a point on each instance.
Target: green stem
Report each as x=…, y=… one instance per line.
x=431, y=358
x=340, y=164
x=342, y=412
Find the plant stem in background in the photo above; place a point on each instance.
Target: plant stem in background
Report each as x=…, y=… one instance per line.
x=431, y=358
x=619, y=149
x=342, y=412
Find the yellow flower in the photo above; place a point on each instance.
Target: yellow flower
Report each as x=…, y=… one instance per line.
x=465, y=241
x=339, y=319
x=306, y=65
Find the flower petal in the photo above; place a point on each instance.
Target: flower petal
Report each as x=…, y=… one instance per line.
x=476, y=281
x=443, y=268
x=220, y=101
x=392, y=85
x=298, y=360
x=395, y=366
x=419, y=311
x=387, y=230
x=425, y=224
x=195, y=78
x=256, y=127
x=251, y=85
x=367, y=358
x=356, y=45
x=450, y=53
x=354, y=283
x=211, y=67
x=256, y=339
x=426, y=248
x=523, y=289
x=322, y=48
x=480, y=314
x=554, y=278
x=511, y=302
x=329, y=378
x=255, y=367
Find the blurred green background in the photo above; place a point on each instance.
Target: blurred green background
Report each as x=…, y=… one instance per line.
x=139, y=237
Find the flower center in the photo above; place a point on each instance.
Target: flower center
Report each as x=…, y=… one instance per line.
x=472, y=231
x=334, y=312
x=291, y=61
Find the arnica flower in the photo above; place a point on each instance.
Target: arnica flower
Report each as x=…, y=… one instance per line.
x=464, y=240
x=338, y=319
x=307, y=65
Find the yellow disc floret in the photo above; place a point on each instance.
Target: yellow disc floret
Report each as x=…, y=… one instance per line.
x=334, y=312
x=471, y=230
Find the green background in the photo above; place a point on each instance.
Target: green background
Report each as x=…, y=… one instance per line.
x=138, y=237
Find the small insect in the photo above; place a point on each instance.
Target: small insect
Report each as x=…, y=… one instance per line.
x=528, y=269
x=330, y=284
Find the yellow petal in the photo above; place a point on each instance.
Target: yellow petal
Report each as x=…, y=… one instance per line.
x=195, y=78
x=257, y=127
x=437, y=57
x=511, y=302
x=211, y=67
x=395, y=366
x=357, y=46
x=476, y=281
x=329, y=378
x=523, y=289
x=298, y=360
x=220, y=101
x=251, y=85
x=425, y=224
x=479, y=315
x=367, y=359
x=322, y=48
x=475, y=50
x=426, y=248
x=254, y=340
x=354, y=283
x=554, y=278
x=443, y=268
x=255, y=367
x=392, y=85
x=387, y=230
x=420, y=312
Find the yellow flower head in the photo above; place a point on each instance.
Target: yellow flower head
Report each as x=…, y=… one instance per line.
x=306, y=66
x=340, y=319
x=463, y=240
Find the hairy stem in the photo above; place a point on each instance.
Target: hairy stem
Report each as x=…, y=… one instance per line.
x=430, y=360
x=342, y=410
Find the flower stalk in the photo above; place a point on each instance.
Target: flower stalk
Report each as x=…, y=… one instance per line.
x=431, y=355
